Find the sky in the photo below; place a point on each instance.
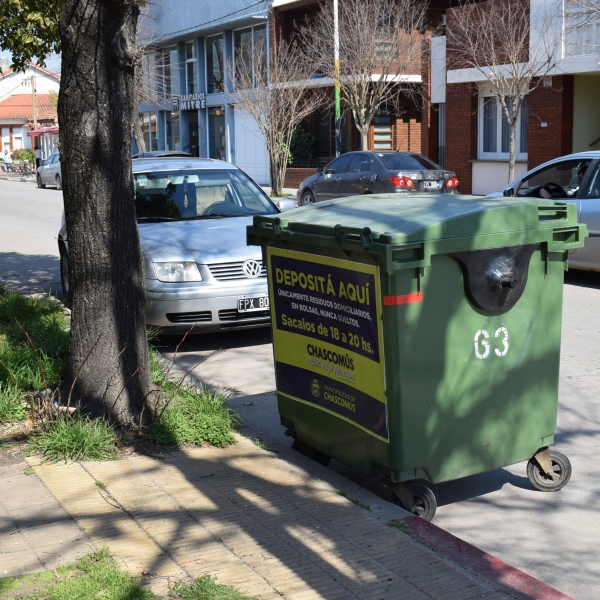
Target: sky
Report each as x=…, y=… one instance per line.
x=52, y=62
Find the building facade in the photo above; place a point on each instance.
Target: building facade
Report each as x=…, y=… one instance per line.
x=186, y=102
x=17, y=91
x=559, y=116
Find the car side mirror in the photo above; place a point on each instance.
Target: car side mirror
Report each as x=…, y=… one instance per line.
x=509, y=192
x=319, y=170
x=330, y=171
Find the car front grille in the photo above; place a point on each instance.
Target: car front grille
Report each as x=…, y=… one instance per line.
x=232, y=270
x=190, y=317
x=234, y=315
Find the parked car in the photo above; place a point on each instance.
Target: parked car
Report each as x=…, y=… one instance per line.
x=373, y=172
x=192, y=215
x=49, y=173
x=161, y=154
x=574, y=178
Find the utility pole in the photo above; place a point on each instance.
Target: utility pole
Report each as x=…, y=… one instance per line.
x=34, y=102
x=336, y=65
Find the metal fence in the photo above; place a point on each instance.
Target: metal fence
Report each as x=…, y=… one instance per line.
x=311, y=163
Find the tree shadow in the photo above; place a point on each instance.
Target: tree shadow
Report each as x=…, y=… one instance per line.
x=30, y=273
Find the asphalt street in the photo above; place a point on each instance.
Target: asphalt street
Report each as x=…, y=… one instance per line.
x=553, y=537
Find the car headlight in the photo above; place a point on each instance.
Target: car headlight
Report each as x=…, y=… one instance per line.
x=176, y=272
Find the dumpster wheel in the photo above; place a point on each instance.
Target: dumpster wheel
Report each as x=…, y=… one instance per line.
x=552, y=478
x=424, y=502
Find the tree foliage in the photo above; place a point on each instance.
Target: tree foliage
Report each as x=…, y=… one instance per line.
x=29, y=29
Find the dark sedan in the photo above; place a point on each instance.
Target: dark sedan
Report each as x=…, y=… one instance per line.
x=373, y=172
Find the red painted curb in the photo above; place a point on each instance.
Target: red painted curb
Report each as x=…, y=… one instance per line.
x=483, y=564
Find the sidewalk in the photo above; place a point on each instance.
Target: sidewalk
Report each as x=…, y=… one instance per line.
x=271, y=527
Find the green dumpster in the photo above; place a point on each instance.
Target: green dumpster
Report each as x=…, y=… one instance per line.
x=418, y=337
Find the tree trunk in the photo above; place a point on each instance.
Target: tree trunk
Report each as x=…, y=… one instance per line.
x=512, y=149
x=277, y=176
x=108, y=354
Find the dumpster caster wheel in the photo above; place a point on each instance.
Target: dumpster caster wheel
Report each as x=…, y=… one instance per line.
x=424, y=503
x=311, y=452
x=553, y=481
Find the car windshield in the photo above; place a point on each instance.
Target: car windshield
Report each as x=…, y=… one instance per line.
x=407, y=162
x=198, y=194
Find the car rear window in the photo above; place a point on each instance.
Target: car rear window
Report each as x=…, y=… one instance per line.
x=407, y=162
x=196, y=194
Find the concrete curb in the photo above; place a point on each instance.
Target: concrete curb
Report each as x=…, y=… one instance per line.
x=488, y=567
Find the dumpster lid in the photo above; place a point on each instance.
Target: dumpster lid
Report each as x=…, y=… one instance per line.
x=400, y=219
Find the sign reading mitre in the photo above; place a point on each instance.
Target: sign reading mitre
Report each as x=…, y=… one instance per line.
x=189, y=102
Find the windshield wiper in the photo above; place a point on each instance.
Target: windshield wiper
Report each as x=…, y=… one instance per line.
x=156, y=219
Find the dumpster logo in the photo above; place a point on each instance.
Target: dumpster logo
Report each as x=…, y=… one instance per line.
x=315, y=388
x=327, y=336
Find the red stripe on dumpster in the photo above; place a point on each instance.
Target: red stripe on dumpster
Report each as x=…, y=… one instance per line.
x=404, y=299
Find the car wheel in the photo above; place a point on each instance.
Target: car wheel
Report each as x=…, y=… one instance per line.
x=307, y=198
x=64, y=275
x=39, y=182
x=58, y=182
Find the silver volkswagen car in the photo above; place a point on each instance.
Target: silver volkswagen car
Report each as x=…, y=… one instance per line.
x=192, y=215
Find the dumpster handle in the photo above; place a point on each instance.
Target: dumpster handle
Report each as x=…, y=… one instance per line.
x=351, y=233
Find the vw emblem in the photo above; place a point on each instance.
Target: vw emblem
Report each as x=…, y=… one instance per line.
x=252, y=268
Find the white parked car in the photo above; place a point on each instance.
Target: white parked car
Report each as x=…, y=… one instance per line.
x=573, y=178
x=192, y=216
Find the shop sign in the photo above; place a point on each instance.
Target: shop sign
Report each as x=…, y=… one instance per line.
x=326, y=319
x=189, y=102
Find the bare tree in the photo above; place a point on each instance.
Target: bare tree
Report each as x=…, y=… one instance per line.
x=278, y=96
x=496, y=40
x=380, y=45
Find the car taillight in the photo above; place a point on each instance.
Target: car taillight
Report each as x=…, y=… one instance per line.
x=404, y=182
x=452, y=182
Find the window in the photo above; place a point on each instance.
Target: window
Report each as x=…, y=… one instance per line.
x=215, y=65
x=248, y=43
x=400, y=161
x=494, y=131
x=360, y=164
x=383, y=133
x=171, y=71
x=149, y=130
x=560, y=180
x=151, y=84
x=191, y=67
x=172, y=127
x=582, y=29
x=339, y=165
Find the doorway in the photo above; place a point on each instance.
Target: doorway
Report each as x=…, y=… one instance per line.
x=216, y=133
x=194, y=148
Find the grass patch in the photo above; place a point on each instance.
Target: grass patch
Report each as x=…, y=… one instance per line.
x=29, y=471
x=43, y=318
x=95, y=575
x=399, y=525
x=12, y=403
x=353, y=500
x=76, y=438
x=206, y=588
x=194, y=414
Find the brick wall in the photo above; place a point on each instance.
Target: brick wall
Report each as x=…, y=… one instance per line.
x=407, y=130
x=293, y=177
x=461, y=132
x=554, y=106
